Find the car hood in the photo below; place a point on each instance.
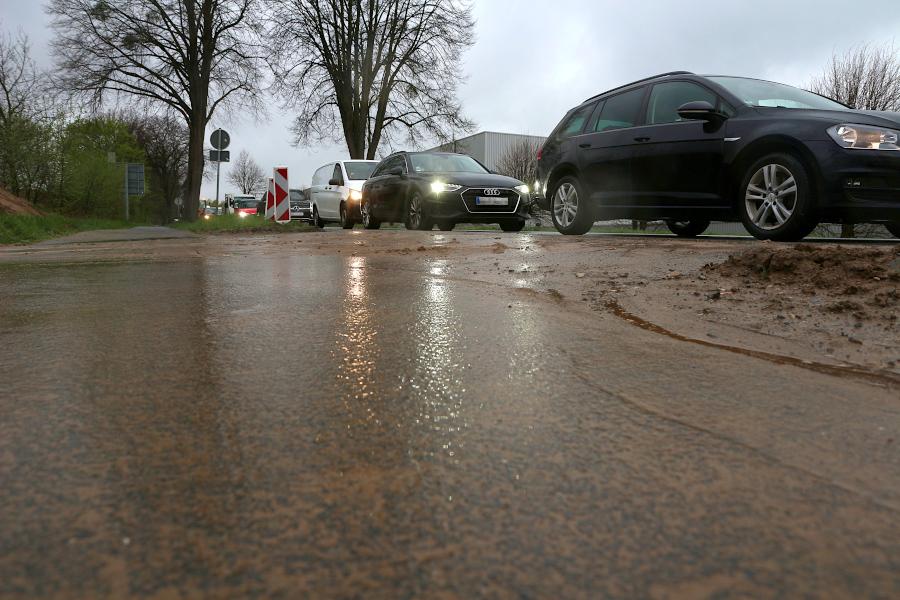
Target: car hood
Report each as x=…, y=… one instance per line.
x=861, y=117
x=473, y=179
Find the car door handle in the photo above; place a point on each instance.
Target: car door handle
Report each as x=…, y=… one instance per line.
x=584, y=145
x=642, y=139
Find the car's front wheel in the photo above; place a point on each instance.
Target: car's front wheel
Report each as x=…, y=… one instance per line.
x=777, y=201
x=687, y=229
x=316, y=220
x=417, y=213
x=894, y=228
x=512, y=226
x=368, y=219
x=346, y=221
x=569, y=208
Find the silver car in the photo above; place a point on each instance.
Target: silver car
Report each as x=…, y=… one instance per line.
x=336, y=191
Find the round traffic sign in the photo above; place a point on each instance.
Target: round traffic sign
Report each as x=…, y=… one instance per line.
x=220, y=139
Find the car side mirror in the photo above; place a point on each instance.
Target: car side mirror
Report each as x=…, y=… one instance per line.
x=335, y=182
x=699, y=110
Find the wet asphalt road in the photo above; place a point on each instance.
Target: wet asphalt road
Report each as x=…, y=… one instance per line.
x=297, y=425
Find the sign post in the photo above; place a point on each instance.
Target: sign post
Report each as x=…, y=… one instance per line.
x=282, y=195
x=220, y=140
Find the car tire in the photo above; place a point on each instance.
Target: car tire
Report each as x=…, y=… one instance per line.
x=569, y=208
x=368, y=221
x=317, y=222
x=687, y=229
x=894, y=228
x=777, y=200
x=446, y=226
x=416, y=213
x=512, y=226
x=346, y=221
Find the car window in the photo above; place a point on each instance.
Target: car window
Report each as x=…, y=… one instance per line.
x=574, y=124
x=445, y=163
x=338, y=174
x=321, y=177
x=619, y=112
x=394, y=162
x=666, y=98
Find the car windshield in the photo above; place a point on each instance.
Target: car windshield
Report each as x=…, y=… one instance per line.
x=297, y=196
x=755, y=92
x=245, y=202
x=360, y=170
x=445, y=163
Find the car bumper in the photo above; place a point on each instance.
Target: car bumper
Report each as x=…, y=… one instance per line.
x=460, y=207
x=861, y=186
x=303, y=214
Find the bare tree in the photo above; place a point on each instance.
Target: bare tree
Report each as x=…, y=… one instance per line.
x=520, y=161
x=189, y=56
x=19, y=79
x=164, y=139
x=376, y=68
x=246, y=174
x=865, y=78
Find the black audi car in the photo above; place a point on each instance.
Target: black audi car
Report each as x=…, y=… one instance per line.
x=689, y=149
x=424, y=189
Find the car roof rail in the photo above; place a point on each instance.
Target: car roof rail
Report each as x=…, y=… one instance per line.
x=645, y=79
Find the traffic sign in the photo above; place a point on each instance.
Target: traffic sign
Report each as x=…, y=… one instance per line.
x=219, y=156
x=220, y=139
x=134, y=179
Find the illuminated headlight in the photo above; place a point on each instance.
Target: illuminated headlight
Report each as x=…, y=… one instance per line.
x=865, y=137
x=243, y=215
x=439, y=187
x=206, y=217
x=355, y=195
x=523, y=189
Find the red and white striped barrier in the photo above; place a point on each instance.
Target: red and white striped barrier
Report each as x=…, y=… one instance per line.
x=270, y=201
x=282, y=196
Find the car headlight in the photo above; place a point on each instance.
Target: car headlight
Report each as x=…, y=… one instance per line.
x=243, y=215
x=439, y=187
x=865, y=137
x=523, y=189
x=355, y=195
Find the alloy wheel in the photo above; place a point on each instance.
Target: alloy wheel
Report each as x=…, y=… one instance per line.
x=565, y=204
x=771, y=197
x=364, y=213
x=414, y=218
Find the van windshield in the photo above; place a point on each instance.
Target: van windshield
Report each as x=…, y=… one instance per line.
x=360, y=170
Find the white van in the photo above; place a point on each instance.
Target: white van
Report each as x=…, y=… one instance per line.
x=336, y=191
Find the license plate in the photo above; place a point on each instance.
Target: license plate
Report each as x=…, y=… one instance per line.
x=487, y=201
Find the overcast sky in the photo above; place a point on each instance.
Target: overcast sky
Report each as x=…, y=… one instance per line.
x=533, y=59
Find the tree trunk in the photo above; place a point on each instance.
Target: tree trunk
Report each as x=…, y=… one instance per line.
x=197, y=129
x=847, y=231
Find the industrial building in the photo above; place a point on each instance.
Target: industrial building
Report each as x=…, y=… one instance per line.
x=488, y=147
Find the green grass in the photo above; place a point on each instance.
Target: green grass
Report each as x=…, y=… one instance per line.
x=27, y=229
x=234, y=224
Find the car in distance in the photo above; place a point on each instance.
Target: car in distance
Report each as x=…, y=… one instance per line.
x=301, y=209
x=242, y=205
x=424, y=189
x=689, y=149
x=336, y=191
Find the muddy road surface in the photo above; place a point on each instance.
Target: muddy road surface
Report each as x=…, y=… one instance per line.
x=399, y=414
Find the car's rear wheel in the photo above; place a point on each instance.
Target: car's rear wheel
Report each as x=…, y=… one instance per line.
x=687, y=229
x=416, y=213
x=894, y=228
x=512, y=226
x=569, y=208
x=777, y=201
x=346, y=221
x=368, y=220
x=316, y=220
x=446, y=225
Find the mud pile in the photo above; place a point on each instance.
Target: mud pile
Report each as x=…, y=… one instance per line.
x=864, y=282
x=10, y=203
